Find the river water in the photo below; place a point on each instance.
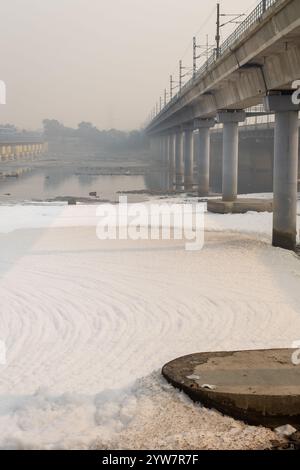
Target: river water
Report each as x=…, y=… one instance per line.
x=53, y=177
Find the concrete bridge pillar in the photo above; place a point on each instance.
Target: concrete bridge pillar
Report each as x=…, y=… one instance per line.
x=286, y=143
x=159, y=148
x=230, y=120
x=158, y=144
x=179, y=161
x=203, y=154
x=156, y=148
x=166, y=151
x=151, y=147
x=2, y=150
x=162, y=149
x=165, y=177
x=172, y=163
x=188, y=156
x=17, y=151
x=13, y=152
x=7, y=150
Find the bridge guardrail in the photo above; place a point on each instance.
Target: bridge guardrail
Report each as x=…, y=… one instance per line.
x=255, y=15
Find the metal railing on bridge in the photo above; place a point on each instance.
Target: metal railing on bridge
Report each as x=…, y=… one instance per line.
x=255, y=16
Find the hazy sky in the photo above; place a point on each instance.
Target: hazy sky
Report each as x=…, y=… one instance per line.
x=104, y=61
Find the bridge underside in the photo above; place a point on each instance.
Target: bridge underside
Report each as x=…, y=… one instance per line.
x=259, y=67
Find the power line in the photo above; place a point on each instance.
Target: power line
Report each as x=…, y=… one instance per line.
x=208, y=49
x=190, y=71
x=181, y=68
x=187, y=49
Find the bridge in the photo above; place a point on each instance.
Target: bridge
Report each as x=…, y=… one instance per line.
x=15, y=146
x=257, y=64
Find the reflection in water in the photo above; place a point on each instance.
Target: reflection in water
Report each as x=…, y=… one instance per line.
x=160, y=180
x=52, y=178
x=37, y=186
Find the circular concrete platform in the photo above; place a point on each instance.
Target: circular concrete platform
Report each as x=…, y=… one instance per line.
x=258, y=387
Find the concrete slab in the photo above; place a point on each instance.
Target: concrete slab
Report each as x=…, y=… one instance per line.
x=239, y=206
x=258, y=387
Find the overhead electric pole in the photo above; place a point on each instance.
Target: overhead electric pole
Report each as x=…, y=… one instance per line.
x=235, y=19
x=218, y=36
x=207, y=48
x=194, y=57
x=204, y=52
x=180, y=74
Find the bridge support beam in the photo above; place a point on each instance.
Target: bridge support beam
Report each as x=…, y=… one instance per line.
x=203, y=154
x=152, y=147
x=286, y=145
x=179, y=161
x=166, y=150
x=230, y=120
x=165, y=162
x=159, y=148
x=188, y=156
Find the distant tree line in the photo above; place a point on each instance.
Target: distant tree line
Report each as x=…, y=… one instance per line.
x=10, y=131
x=87, y=134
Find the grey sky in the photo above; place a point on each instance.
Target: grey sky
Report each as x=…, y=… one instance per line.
x=104, y=61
